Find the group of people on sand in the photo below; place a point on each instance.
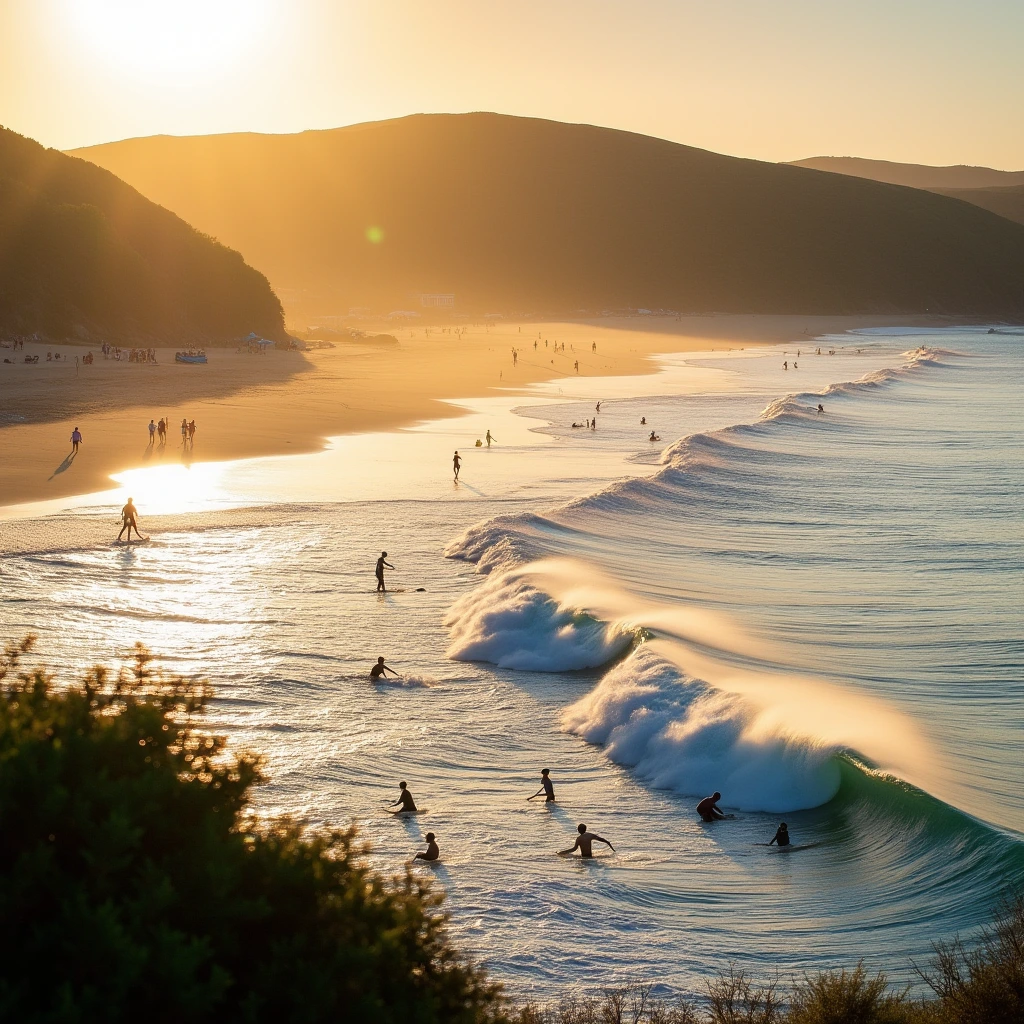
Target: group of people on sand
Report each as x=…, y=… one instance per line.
x=158, y=431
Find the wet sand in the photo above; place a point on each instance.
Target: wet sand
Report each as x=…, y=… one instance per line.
x=283, y=402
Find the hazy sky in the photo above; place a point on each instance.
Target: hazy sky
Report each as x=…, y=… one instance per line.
x=929, y=81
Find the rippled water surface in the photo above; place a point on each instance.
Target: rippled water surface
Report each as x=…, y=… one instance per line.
x=817, y=614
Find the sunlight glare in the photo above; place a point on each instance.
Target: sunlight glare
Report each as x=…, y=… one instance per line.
x=167, y=490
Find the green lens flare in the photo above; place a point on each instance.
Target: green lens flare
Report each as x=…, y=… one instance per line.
x=375, y=235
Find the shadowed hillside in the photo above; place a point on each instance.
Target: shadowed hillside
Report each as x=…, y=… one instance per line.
x=84, y=256
x=1006, y=201
x=960, y=176
x=523, y=214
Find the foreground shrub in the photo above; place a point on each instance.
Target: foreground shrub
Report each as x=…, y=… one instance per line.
x=135, y=886
x=849, y=997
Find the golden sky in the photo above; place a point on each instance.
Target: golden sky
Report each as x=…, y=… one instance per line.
x=927, y=81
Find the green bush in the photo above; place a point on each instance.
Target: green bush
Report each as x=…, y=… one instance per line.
x=849, y=997
x=136, y=885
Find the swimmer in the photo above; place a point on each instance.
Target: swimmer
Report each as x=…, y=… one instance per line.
x=545, y=787
x=405, y=798
x=431, y=852
x=821, y=408
x=457, y=464
x=708, y=808
x=380, y=571
x=585, y=843
x=781, y=835
x=380, y=668
x=654, y=437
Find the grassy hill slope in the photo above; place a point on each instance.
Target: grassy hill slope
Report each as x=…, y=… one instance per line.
x=84, y=256
x=959, y=176
x=524, y=214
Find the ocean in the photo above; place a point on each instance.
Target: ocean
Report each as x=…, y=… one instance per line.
x=817, y=614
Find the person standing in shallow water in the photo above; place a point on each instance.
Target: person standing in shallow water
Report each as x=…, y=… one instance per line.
x=585, y=843
x=380, y=571
x=708, y=808
x=456, y=464
x=781, y=835
x=404, y=798
x=431, y=852
x=545, y=787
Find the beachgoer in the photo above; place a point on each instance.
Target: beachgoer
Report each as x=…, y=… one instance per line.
x=161, y=430
x=821, y=408
x=184, y=429
x=489, y=438
x=708, y=808
x=598, y=407
x=643, y=421
x=404, y=798
x=76, y=440
x=192, y=432
x=654, y=437
x=457, y=464
x=128, y=520
x=781, y=835
x=379, y=571
x=585, y=843
x=152, y=431
x=785, y=365
x=545, y=787
x=593, y=347
x=380, y=668
x=431, y=852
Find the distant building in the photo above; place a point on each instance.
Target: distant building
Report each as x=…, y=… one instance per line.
x=438, y=300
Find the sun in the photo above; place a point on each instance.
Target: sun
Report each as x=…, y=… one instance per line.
x=168, y=38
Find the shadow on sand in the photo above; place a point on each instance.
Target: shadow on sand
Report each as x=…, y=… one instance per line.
x=65, y=465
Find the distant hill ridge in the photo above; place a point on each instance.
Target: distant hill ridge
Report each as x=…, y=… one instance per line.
x=83, y=256
x=959, y=176
x=524, y=214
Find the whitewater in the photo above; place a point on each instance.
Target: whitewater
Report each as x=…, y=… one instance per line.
x=817, y=614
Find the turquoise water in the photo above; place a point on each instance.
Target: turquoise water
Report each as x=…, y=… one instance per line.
x=818, y=615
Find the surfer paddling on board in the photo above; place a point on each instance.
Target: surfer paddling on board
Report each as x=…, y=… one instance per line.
x=456, y=464
x=585, y=843
x=781, y=835
x=380, y=571
x=709, y=810
x=545, y=787
x=128, y=521
x=431, y=852
x=380, y=668
x=405, y=799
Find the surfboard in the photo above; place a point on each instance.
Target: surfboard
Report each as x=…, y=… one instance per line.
x=793, y=847
x=419, y=810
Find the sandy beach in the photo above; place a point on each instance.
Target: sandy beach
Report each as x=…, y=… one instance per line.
x=285, y=402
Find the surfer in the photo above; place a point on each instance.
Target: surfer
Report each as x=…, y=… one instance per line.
x=781, y=835
x=708, y=808
x=431, y=852
x=380, y=668
x=585, y=843
x=405, y=799
x=457, y=465
x=489, y=438
x=545, y=787
x=380, y=571
x=654, y=437
x=128, y=521
x=821, y=408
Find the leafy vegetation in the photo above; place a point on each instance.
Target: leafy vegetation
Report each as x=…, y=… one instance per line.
x=84, y=256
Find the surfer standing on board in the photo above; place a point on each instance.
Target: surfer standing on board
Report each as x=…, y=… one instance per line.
x=781, y=836
x=456, y=465
x=585, y=843
x=708, y=808
x=405, y=799
x=545, y=787
x=380, y=570
x=128, y=521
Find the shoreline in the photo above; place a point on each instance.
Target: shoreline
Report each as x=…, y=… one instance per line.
x=282, y=403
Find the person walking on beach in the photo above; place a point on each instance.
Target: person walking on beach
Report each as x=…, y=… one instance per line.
x=192, y=432
x=781, y=835
x=161, y=431
x=404, y=798
x=545, y=787
x=380, y=668
x=379, y=571
x=76, y=440
x=585, y=843
x=431, y=852
x=128, y=521
x=708, y=808
x=457, y=465
x=489, y=438
x=184, y=430
x=152, y=433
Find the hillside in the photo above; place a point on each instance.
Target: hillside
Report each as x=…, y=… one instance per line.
x=914, y=175
x=86, y=257
x=522, y=214
x=1007, y=201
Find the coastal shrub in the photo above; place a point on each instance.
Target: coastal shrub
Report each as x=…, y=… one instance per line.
x=849, y=997
x=136, y=885
x=734, y=998
x=632, y=1003
x=985, y=984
